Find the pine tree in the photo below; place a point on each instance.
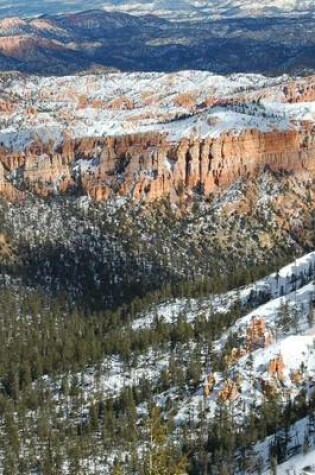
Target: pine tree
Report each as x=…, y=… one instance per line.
x=311, y=314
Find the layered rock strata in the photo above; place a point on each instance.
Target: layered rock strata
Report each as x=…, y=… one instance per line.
x=150, y=166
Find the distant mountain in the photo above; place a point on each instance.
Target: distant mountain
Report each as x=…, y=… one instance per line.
x=203, y=9
x=170, y=9
x=75, y=42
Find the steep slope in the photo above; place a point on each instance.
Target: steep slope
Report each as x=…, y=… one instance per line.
x=178, y=363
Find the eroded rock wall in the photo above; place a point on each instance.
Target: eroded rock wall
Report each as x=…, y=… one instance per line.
x=149, y=166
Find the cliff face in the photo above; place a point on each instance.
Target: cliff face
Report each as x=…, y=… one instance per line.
x=149, y=166
x=150, y=135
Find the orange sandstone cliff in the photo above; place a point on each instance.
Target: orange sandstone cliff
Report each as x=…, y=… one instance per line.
x=150, y=166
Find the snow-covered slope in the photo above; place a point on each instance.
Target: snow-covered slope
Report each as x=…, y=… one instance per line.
x=292, y=340
x=284, y=282
x=183, y=104
x=291, y=344
x=303, y=464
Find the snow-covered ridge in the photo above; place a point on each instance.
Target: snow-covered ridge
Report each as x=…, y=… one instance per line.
x=290, y=290
x=172, y=10
x=285, y=364
x=202, y=9
x=183, y=104
x=279, y=286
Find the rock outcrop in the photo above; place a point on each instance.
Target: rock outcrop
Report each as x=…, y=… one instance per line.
x=209, y=385
x=149, y=166
x=7, y=190
x=276, y=368
x=257, y=335
x=234, y=356
x=300, y=91
x=230, y=391
x=199, y=140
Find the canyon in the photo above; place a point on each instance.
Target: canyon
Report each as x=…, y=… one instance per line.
x=146, y=220
x=157, y=264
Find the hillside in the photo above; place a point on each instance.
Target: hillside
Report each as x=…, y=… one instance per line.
x=176, y=378
x=140, y=180
x=157, y=264
x=301, y=462
x=222, y=37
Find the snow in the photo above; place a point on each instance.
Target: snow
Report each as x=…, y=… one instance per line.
x=302, y=464
x=200, y=9
x=175, y=10
x=84, y=166
x=297, y=462
x=122, y=103
x=296, y=346
x=274, y=283
x=219, y=121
